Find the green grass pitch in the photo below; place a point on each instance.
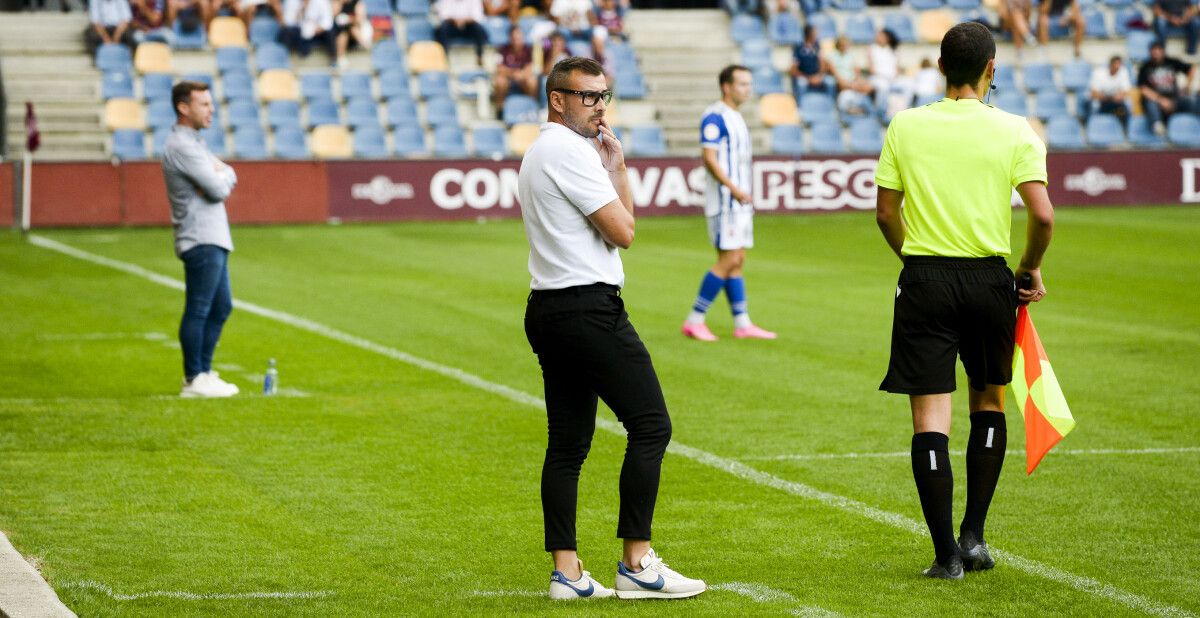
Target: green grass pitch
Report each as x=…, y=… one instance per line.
x=375, y=487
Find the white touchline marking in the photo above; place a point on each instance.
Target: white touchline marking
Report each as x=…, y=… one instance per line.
x=195, y=596
x=760, y=593
x=100, y=336
x=730, y=466
x=1053, y=453
x=506, y=593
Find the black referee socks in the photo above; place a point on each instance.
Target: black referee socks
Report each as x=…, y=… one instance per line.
x=985, y=457
x=935, y=485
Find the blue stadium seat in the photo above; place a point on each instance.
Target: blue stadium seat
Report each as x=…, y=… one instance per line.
x=203, y=78
x=448, y=141
x=746, y=27
x=323, y=112
x=237, y=85
x=1137, y=45
x=924, y=5
x=114, y=57
x=472, y=82
x=787, y=139
x=850, y=5
x=243, y=113
x=196, y=39
x=497, y=30
x=860, y=28
x=1142, y=136
x=784, y=28
x=1094, y=24
x=1063, y=133
x=1184, y=130
x=386, y=55
x=1011, y=101
x=582, y=49
x=316, y=86
x=116, y=85
x=1048, y=104
x=827, y=137
x=378, y=8
x=1123, y=17
x=1104, y=131
x=129, y=144
x=215, y=138
x=394, y=83
x=964, y=5
x=249, y=144
x=928, y=99
x=647, y=141
x=290, y=143
x=272, y=56
x=418, y=29
x=283, y=114
x=401, y=112
x=370, y=142
x=622, y=50
x=1004, y=78
x=901, y=25
x=817, y=107
x=412, y=8
x=1076, y=75
x=490, y=141
x=1038, y=77
x=362, y=111
x=630, y=86
x=441, y=111
x=263, y=30
x=529, y=22
x=233, y=59
x=768, y=81
x=1117, y=4
x=520, y=108
x=756, y=53
x=157, y=85
x=160, y=113
x=825, y=25
x=866, y=136
x=356, y=84
x=409, y=141
x=432, y=84
x=159, y=141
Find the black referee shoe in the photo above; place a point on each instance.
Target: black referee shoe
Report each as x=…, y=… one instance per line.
x=975, y=553
x=953, y=569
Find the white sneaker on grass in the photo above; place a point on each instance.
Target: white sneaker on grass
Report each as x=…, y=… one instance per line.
x=563, y=589
x=655, y=581
x=229, y=386
x=207, y=385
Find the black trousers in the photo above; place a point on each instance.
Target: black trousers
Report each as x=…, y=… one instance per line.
x=446, y=32
x=588, y=349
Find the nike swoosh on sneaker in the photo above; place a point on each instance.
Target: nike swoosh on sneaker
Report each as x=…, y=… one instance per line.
x=579, y=591
x=655, y=585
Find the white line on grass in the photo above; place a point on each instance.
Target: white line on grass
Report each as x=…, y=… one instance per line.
x=900, y=454
x=760, y=593
x=100, y=336
x=730, y=466
x=506, y=593
x=195, y=596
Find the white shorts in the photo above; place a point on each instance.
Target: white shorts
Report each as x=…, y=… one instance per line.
x=732, y=229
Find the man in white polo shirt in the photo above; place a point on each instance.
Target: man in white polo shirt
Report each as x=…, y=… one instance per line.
x=578, y=211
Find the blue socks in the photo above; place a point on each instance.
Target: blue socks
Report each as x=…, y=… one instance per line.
x=710, y=288
x=735, y=289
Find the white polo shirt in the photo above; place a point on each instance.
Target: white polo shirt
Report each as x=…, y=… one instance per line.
x=561, y=182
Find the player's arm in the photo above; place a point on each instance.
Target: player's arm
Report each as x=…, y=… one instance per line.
x=887, y=216
x=1038, y=231
x=714, y=167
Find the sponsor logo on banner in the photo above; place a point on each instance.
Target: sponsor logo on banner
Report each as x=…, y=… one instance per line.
x=1190, y=169
x=828, y=184
x=1093, y=181
x=381, y=190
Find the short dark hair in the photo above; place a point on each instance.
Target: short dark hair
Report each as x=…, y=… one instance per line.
x=1157, y=43
x=893, y=41
x=182, y=92
x=726, y=75
x=966, y=50
x=560, y=75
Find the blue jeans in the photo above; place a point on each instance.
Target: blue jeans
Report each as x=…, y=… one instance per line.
x=1190, y=29
x=209, y=302
x=1155, y=114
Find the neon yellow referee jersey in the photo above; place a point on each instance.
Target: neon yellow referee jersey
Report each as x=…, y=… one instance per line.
x=957, y=163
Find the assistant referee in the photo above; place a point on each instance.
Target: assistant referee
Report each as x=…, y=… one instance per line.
x=578, y=210
x=953, y=165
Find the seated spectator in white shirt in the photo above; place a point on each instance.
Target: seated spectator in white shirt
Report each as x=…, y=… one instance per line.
x=152, y=21
x=1110, y=88
x=928, y=81
x=461, y=18
x=307, y=23
x=577, y=21
x=110, y=20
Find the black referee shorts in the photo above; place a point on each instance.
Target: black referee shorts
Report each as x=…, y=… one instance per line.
x=947, y=307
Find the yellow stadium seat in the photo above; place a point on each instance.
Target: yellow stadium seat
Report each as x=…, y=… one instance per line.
x=933, y=25
x=278, y=85
x=776, y=109
x=152, y=57
x=227, y=31
x=124, y=114
x=331, y=142
x=1135, y=101
x=426, y=56
x=521, y=137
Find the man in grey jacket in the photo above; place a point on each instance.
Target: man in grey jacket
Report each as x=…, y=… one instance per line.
x=197, y=186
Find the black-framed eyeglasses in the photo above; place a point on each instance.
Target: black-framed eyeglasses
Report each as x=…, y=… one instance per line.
x=589, y=98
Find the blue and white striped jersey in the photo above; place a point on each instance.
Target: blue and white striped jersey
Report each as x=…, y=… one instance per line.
x=724, y=130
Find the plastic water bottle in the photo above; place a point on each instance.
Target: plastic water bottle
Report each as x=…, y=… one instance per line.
x=271, y=378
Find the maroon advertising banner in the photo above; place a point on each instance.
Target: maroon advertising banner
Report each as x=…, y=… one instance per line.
x=1124, y=178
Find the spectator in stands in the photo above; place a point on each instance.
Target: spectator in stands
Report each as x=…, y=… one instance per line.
x=152, y=21
x=529, y=8
x=853, y=89
x=741, y=6
x=577, y=20
x=253, y=8
x=609, y=17
x=350, y=27
x=110, y=21
x=515, y=68
x=892, y=91
x=1014, y=17
x=1180, y=14
x=558, y=51
x=499, y=8
x=189, y=15
x=307, y=23
x=1066, y=13
x=809, y=71
x=928, y=81
x=461, y=18
x=1158, y=83
x=224, y=7
x=1109, y=88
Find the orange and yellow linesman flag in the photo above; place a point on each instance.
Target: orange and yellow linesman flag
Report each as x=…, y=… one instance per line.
x=1047, y=417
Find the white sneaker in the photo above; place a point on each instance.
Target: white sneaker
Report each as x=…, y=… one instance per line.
x=212, y=373
x=655, y=581
x=563, y=589
x=207, y=385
